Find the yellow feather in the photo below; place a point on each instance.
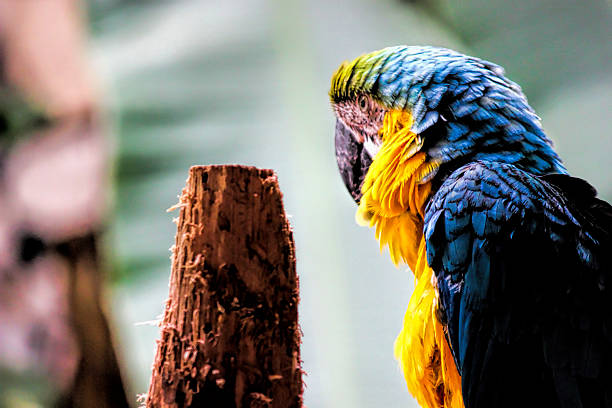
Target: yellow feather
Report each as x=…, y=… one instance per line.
x=422, y=349
x=393, y=200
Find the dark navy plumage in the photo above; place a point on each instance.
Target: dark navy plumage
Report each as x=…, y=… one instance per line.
x=523, y=269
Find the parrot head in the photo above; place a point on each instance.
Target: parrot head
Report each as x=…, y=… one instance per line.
x=359, y=119
x=408, y=116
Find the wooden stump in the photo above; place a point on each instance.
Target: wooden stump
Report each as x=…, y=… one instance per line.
x=229, y=336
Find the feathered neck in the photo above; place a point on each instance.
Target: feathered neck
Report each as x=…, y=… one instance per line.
x=396, y=189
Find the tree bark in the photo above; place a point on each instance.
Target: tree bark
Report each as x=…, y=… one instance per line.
x=229, y=336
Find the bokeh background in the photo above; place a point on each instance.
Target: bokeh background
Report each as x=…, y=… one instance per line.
x=188, y=82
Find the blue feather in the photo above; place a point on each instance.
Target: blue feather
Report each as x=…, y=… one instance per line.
x=430, y=118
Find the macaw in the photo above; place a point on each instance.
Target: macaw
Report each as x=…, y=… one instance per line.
x=512, y=257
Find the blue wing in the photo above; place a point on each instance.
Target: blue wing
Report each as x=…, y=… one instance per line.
x=523, y=267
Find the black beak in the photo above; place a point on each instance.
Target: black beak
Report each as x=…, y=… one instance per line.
x=353, y=160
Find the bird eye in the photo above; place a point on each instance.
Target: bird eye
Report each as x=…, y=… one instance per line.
x=363, y=102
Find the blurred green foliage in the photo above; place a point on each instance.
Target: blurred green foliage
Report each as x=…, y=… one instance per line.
x=18, y=118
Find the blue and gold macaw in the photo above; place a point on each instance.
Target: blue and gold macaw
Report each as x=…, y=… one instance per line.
x=512, y=257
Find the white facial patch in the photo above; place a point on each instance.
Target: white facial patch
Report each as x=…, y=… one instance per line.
x=371, y=146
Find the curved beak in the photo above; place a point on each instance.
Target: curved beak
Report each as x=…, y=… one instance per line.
x=353, y=160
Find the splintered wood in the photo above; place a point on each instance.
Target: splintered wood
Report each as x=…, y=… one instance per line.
x=229, y=336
